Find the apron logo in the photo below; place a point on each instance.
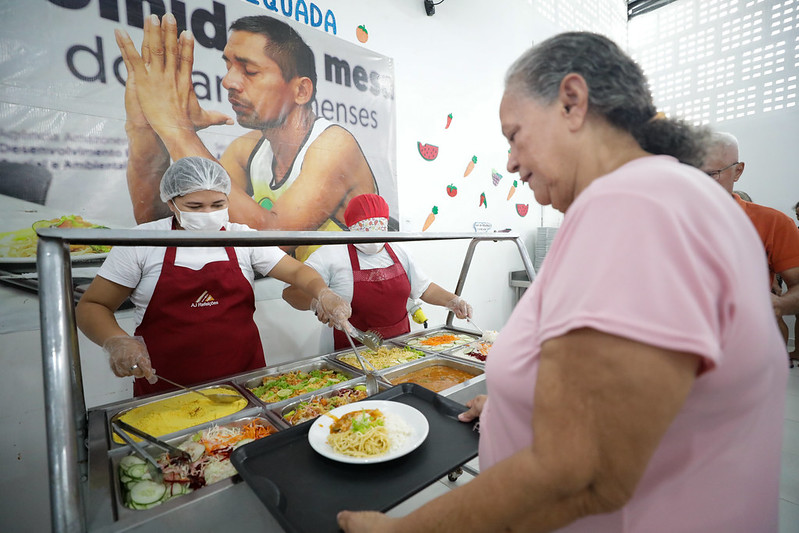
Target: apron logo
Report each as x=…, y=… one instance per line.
x=205, y=300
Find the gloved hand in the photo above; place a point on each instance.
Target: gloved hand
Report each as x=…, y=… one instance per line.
x=316, y=307
x=125, y=352
x=459, y=306
x=331, y=309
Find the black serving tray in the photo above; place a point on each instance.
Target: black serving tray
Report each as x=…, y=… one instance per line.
x=305, y=491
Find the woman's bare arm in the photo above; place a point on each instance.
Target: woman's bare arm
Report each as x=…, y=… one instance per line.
x=602, y=405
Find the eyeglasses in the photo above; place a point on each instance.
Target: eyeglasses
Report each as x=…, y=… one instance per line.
x=716, y=173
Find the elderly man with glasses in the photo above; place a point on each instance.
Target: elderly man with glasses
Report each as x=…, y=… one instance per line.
x=777, y=231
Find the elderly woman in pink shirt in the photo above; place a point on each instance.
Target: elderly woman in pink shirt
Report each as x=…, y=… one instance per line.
x=638, y=385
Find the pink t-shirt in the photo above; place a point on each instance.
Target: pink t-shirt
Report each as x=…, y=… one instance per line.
x=659, y=253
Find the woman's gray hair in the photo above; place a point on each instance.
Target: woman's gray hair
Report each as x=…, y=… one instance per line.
x=617, y=91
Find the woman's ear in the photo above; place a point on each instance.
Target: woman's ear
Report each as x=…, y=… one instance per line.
x=573, y=97
x=303, y=90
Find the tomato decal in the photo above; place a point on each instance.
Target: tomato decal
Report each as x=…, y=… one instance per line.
x=452, y=190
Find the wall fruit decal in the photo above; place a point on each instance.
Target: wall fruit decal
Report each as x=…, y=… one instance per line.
x=495, y=176
x=427, y=151
x=470, y=166
x=452, y=190
x=430, y=218
x=521, y=209
x=512, y=189
x=449, y=121
x=362, y=34
x=483, y=201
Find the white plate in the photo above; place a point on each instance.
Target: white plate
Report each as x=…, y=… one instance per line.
x=317, y=435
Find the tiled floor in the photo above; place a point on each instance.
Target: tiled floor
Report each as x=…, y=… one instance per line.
x=789, y=483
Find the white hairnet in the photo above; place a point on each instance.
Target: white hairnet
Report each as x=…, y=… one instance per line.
x=192, y=174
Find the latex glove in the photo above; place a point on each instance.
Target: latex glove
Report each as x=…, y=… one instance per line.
x=332, y=309
x=125, y=352
x=320, y=313
x=459, y=306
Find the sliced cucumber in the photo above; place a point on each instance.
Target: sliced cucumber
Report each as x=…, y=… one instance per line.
x=124, y=479
x=147, y=492
x=242, y=442
x=138, y=471
x=130, y=460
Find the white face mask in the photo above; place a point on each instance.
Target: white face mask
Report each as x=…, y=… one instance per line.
x=202, y=220
x=369, y=248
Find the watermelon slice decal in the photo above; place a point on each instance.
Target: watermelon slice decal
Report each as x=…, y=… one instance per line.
x=521, y=209
x=427, y=151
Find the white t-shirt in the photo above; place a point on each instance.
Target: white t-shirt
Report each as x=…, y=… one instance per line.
x=139, y=267
x=333, y=264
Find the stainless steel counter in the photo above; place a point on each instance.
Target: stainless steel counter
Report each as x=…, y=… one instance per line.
x=77, y=446
x=216, y=506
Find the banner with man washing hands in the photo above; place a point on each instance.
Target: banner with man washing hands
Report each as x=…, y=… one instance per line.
x=299, y=117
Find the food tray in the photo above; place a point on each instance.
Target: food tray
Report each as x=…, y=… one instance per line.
x=476, y=369
x=280, y=412
x=254, y=379
x=249, y=409
x=338, y=355
x=414, y=339
x=116, y=456
x=305, y=491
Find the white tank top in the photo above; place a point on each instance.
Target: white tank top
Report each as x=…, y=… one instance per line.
x=267, y=188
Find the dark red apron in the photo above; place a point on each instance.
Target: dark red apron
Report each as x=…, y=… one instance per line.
x=379, y=299
x=198, y=325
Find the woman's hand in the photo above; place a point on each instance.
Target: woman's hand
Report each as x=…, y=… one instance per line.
x=364, y=522
x=460, y=307
x=475, y=406
x=128, y=356
x=332, y=309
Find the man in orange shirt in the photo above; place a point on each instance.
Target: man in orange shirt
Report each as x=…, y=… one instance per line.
x=777, y=231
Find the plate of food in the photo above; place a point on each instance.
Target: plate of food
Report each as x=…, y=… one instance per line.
x=19, y=246
x=369, y=431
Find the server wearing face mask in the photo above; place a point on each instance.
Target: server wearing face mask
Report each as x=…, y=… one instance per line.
x=194, y=306
x=376, y=278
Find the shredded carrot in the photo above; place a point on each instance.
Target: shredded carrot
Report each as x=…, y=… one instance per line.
x=439, y=339
x=252, y=431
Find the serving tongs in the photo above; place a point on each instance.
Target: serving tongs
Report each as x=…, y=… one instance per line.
x=153, y=468
x=371, y=380
x=370, y=339
x=123, y=429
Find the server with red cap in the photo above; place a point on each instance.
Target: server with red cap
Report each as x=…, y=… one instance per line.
x=377, y=278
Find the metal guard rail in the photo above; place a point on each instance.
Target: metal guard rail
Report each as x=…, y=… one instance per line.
x=65, y=406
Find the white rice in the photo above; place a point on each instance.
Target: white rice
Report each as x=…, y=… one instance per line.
x=398, y=430
x=490, y=335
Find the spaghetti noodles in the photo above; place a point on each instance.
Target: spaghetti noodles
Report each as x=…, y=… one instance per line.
x=384, y=357
x=360, y=434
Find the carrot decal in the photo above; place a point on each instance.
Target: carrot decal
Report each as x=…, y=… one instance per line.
x=449, y=121
x=512, y=189
x=361, y=33
x=470, y=166
x=430, y=218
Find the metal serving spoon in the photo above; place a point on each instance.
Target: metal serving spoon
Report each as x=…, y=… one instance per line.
x=214, y=397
